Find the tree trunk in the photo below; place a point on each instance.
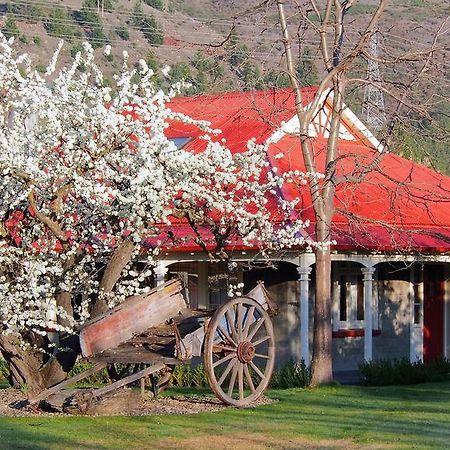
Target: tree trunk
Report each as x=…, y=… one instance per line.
x=116, y=264
x=29, y=368
x=322, y=364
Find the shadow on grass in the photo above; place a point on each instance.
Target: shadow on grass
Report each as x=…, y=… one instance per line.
x=416, y=416
x=38, y=434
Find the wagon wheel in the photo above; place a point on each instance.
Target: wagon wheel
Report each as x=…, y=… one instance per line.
x=239, y=351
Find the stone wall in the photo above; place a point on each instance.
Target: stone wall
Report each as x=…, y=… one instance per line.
x=287, y=322
x=394, y=299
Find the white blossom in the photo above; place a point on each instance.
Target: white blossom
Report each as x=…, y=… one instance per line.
x=165, y=70
x=86, y=167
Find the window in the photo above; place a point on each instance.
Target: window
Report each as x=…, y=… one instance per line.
x=219, y=280
x=180, y=142
x=417, y=279
x=207, y=285
x=348, y=298
x=187, y=272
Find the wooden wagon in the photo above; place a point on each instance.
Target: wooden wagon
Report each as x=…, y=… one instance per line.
x=153, y=333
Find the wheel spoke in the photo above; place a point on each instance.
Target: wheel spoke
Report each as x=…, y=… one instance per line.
x=219, y=348
x=241, y=381
x=260, y=341
x=231, y=327
x=224, y=359
x=248, y=321
x=237, y=368
x=239, y=321
x=249, y=378
x=226, y=335
x=255, y=368
x=232, y=380
x=255, y=328
x=231, y=364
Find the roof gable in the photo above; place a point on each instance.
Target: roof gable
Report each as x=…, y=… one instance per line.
x=351, y=128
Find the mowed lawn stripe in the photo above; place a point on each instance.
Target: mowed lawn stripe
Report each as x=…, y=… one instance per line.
x=416, y=416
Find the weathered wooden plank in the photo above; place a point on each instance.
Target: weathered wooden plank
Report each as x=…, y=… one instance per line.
x=68, y=382
x=132, y=357
x=107, y=313
x=136, y=315
x=130, y=379
x=141, y=341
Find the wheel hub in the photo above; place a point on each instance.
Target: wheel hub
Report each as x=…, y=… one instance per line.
x=245, y=352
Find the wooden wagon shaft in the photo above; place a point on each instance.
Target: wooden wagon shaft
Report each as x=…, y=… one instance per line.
x=130, y=379
x=54, y=389
x=135, y=315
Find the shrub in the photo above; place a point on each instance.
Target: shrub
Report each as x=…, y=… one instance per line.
x=4, y=370
x=37, y=40
x=180, y=71
x=87, y=15
x=291, y=375
x=186, y=376
x=148, y=25
x=92, y=5
x=10, y=28
x=41, y=68
x=59, y=24
x=157, y=4
x=78, y=47
x=26, y=10
x=100, y=377
x=97, y=37
x=109, y=57
x=152, y=30
x=402, y=371
x=122, y=32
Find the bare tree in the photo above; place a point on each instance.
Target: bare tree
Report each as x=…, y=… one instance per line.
x=340, y=53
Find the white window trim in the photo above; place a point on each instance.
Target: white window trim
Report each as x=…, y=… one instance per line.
x=353, y=276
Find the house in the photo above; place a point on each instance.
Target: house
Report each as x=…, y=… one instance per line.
x=391, y=261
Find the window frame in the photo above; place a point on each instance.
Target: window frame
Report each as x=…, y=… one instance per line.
x=354, y=298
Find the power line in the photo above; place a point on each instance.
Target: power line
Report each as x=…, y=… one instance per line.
x=131, y=14
x=253, y=54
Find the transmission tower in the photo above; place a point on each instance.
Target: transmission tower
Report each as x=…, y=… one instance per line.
x=373, y=105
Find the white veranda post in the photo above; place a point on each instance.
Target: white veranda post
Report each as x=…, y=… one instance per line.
x=368, y=311
x=304, y=273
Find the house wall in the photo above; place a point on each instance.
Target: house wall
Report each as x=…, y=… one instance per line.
x=282, y=284
x=287, y=322
x=394, y=319
x=392, y=291
x=348, y=352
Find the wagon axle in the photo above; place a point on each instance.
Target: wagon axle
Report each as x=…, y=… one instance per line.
x=245, y=352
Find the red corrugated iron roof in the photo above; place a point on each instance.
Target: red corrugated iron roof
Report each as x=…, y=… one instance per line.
x=400, y=205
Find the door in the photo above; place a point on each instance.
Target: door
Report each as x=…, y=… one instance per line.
x=433, y=312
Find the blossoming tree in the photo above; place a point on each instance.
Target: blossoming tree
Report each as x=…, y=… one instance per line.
x=89, y=184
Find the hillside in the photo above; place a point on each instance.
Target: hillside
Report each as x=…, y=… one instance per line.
x=189, y=36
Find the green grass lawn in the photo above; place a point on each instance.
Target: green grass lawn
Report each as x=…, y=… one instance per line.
x=416, y=416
